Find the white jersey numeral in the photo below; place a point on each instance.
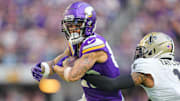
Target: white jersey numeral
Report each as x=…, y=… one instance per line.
x=177, y=73
x=112, y=55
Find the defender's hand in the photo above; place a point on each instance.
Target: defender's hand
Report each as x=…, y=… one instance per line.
x=37, y=72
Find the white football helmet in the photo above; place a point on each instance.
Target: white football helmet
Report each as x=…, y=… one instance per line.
x=155, y=45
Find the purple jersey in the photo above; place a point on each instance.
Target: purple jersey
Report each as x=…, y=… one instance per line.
x=109, y=68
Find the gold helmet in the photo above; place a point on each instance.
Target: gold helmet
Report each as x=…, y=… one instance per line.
x=155, y=45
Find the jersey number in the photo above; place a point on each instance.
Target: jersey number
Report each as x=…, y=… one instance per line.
x=112, y=55
x=177, y=73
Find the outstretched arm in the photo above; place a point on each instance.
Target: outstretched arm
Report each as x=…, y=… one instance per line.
x=121, y=82
x=110, y=84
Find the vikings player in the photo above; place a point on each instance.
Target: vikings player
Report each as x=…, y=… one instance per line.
x=154, y=69
x=92, y=50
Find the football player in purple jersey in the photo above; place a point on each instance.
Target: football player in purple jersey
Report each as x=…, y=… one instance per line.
x=93, y=53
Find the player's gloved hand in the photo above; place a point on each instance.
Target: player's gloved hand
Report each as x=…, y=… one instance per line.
x=37, y=72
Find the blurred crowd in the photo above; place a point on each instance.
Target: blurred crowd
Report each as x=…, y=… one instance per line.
x=30, y=30
x=153, y=15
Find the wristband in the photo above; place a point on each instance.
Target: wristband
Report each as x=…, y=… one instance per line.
x=66, y=73
x=46, y=69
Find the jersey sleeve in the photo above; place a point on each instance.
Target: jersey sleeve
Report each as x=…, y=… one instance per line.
x=143, y=66
x=92, y=44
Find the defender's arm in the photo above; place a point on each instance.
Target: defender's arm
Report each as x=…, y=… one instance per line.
x=121, y=82
x=81, y=66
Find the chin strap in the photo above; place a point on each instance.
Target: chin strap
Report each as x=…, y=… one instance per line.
x=75, y=39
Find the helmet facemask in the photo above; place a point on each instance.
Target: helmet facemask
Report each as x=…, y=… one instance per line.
x=140, y=52
x=74, y=29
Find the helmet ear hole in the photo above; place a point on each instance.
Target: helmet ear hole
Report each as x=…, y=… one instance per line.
x=154, y=50
x=150, y=53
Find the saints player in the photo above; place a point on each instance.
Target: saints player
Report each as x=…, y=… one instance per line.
x=154, y=69
x=91, y=49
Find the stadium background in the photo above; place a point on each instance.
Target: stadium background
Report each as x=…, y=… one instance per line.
x=30, y=32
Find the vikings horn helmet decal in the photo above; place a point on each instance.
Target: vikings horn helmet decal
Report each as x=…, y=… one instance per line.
x=81, y=15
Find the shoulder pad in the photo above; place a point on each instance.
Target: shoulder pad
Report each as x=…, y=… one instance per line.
x=92, y=43
x=144, y=65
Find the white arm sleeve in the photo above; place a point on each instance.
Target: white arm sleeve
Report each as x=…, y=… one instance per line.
x=146, y=66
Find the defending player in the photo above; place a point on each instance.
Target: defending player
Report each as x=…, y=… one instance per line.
x=91, y=49
x=154, y=69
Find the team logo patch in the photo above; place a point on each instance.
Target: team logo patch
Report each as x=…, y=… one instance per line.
x=91, y=40
x=88, y=11
x=169, y=46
